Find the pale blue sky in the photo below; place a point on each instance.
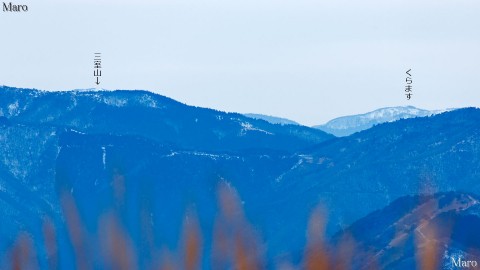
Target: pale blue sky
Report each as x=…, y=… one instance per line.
x=309, y=61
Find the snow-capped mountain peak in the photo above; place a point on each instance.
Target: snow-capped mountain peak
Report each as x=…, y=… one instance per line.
x=347, y=125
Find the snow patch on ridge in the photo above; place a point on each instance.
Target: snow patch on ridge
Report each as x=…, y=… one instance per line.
x=249, y=127
x=13, y=109
x=104, y=157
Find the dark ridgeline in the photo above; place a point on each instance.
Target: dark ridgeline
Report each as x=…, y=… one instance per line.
x=161, y=119
x=133, y=162
x=426, y=231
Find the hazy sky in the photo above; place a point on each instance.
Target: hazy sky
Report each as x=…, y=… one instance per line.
x=309, y=61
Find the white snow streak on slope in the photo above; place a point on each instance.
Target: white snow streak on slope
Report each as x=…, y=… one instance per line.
x=249, y=127
x=104, y=156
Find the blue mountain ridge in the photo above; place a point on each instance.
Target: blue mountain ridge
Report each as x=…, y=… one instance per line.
x=399, y=235
x=347, y=125
x=169, y=155
x=152, y=116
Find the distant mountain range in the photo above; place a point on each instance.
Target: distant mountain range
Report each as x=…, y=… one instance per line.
x=390, y=160
x=153, y=116
x=347, y=125
x=149, y=156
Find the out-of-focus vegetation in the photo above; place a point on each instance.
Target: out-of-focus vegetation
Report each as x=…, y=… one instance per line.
x=235, y=243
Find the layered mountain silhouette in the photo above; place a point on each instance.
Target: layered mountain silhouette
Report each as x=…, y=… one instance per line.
x=151, y=116
x=147, y=155
x=347, y=125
